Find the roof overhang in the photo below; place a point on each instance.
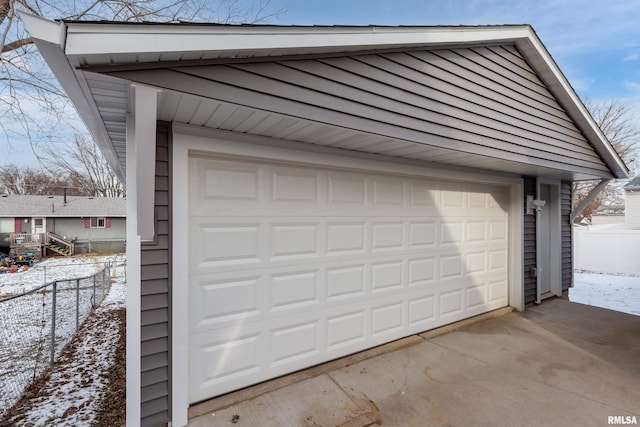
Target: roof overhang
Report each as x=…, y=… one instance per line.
x=82, y=56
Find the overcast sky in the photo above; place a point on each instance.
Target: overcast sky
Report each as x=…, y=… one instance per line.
x=596, y=43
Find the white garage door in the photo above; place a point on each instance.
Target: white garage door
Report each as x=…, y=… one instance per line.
x=291, y=266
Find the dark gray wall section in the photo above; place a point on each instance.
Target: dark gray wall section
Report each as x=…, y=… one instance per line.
x=155, y=297
x=74, y=229
x=566, y=197
x=530, y=283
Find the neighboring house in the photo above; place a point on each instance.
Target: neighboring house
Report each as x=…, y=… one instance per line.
x=632, y=204
x=610, y=216
x=599, y=220
x=90, y=223
x=296, y=194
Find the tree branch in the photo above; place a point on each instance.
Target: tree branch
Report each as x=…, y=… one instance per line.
x=16, y=44
x=31, y=102
x=5, y=7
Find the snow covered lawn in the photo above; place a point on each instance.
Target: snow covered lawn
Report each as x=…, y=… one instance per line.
x=620, y=293
x=74, y=390
x=50, y=270
x=71, y=391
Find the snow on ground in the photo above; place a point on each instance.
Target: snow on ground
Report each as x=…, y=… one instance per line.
x=50, y=270
x=72, y=392
x=74, y=385
x=26, y=321
x=74, y=388
x=620, y=293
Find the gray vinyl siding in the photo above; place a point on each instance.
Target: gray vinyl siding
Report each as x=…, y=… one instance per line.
x=566, y=198
x=155, y=298
x=7, y=225
x=485, y=101
x=530, y=282
x=482, y=101
x=529, y=240
x=74, y=229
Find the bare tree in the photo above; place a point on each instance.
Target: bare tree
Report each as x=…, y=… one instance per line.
x=616, y=121
x=27, y=180
x=85, y=168
x=32, y=105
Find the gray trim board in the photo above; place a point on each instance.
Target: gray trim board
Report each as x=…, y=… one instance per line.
x=156, y=298
x=529, y=241
x=566, y=198
x=529, y=255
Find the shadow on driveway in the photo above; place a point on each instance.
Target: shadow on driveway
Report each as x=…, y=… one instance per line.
x=556, y=364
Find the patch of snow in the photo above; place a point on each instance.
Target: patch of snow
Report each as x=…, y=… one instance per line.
x=74, y=389
x=615, y=292
x=72, y=393
x=75, y=386
x=51, y=270
x=117, y=296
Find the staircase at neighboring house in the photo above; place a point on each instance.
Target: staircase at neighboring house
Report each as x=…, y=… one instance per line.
x=58, y=244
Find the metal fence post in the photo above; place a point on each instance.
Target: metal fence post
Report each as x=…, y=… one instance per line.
x=53, y=321
x=77, y=303
x=35, y=343
x=93, y=299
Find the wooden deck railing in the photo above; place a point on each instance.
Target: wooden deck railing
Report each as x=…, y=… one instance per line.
x=33, y=239
x=67, y=246
x=50, y=240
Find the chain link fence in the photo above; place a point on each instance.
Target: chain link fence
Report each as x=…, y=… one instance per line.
x=37, y=324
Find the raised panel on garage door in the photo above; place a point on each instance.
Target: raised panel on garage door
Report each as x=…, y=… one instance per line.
x=291, y=266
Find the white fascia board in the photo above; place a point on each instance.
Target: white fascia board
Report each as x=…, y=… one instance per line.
x=134, y=320
x=99, y=39
x=50, y=38
x=144, y=122
x=43, y=29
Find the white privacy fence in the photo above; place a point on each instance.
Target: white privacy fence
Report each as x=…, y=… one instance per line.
x=607, y=251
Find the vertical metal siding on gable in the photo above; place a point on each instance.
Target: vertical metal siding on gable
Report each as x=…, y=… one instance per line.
x=566, y=197
x=529, y=223
x=155, y=298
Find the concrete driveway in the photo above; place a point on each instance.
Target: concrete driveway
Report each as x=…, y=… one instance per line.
x=556, y=364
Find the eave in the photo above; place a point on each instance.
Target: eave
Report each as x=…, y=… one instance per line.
x=85, y=56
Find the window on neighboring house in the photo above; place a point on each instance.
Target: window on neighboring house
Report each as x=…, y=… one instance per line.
x=97, y=222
